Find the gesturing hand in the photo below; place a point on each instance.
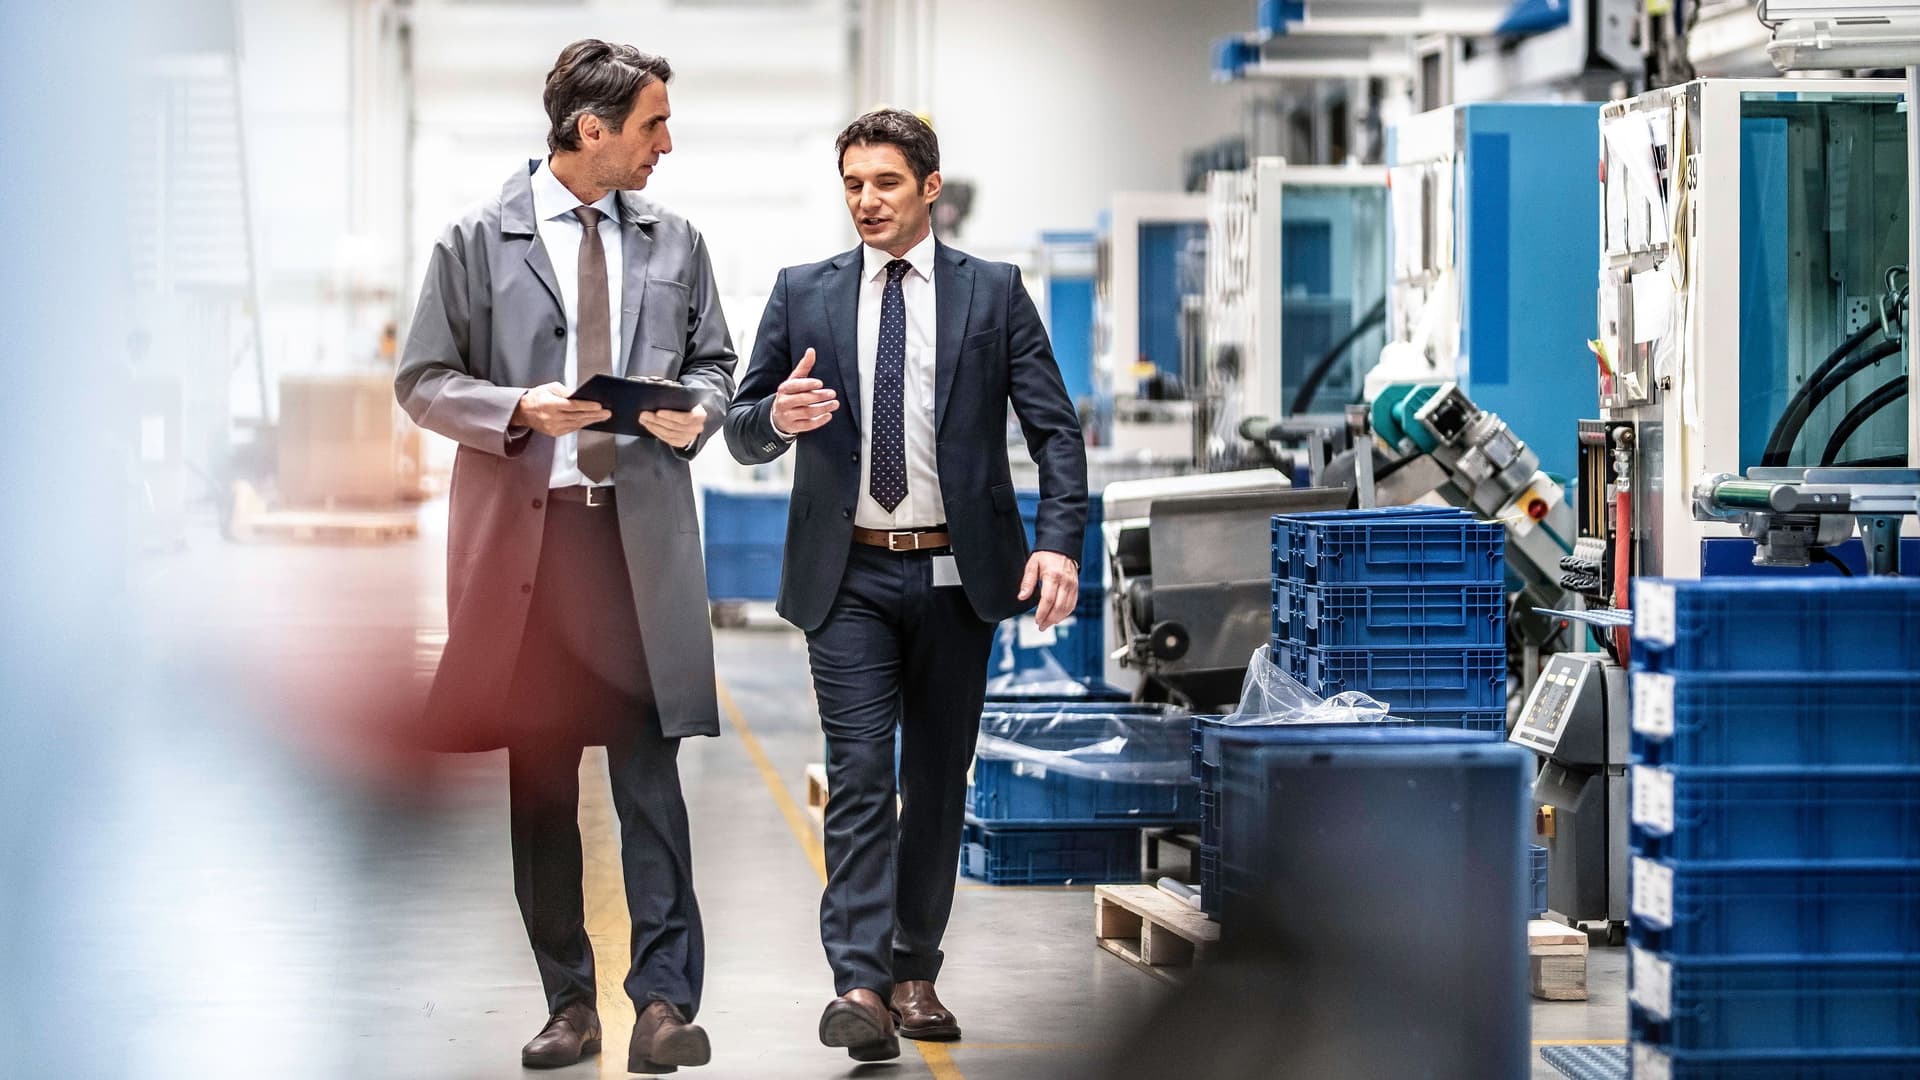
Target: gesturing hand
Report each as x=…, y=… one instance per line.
x=802, y=403
x=549, y=411
x=1059, y=581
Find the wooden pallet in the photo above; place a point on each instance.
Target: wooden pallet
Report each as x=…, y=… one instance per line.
x=817, y=795
x=1149, y=929
x=1556, y=961
x=254, y=522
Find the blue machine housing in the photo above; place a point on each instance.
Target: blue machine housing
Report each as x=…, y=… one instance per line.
x=1526, y=240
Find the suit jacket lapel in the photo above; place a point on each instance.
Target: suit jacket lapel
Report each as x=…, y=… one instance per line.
x=516, y=219
x=953, y=301
x=843, y=321
x=636, y=246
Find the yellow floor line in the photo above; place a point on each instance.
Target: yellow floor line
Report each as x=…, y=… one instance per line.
x=1058, y=1048
x=796, y=818
x=939, y=1062
x=605, y=892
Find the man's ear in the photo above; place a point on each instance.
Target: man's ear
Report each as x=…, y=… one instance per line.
x=588, y=128
x=931, y=189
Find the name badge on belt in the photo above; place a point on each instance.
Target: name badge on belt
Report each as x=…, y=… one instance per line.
x=945, y=571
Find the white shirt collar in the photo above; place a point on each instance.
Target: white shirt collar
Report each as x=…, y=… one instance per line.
x=552, y=200
x=921, y=256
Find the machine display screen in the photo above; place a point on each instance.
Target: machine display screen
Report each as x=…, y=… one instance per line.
x=1823, y=225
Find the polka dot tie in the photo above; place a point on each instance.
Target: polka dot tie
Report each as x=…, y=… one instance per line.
x=888, y=483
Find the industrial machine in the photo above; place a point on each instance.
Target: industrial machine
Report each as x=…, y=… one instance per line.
x=1295, y=296
x=1151, y=252
x=1433, y=442
x=1753, y=310
x=1492, y=285
x=1067, y=275
x=1192, y=577
x=1577, y=720
x=1794, y=515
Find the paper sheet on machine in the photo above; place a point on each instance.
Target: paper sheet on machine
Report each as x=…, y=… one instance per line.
x=1630, y=144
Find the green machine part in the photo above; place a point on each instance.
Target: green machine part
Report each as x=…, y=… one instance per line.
x=1393, y=413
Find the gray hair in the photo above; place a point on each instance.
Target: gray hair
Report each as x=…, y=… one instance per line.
x=597, y=78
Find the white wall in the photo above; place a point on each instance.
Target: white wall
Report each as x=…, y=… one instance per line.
x=1052, y=105
x=757, y=97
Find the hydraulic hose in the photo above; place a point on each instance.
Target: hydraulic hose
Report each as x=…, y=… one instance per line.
x=1780, y=442
x=1884, y=395
x=1834, y=380
x=1321, y=367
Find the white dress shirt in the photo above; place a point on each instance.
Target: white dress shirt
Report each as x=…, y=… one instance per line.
x=561, y=234
x=923, y=505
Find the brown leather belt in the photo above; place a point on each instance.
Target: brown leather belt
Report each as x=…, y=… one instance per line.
x=598, y=495
x=904, y=540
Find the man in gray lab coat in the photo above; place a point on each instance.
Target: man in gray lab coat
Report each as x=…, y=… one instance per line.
x=576, y=595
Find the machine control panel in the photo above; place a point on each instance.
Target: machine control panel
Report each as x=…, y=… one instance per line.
x=1548, y=712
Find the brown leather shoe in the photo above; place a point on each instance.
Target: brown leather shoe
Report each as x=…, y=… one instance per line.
x=571, y=1034
x=857, y=1021
x=663, y=1041
x=919, y=1013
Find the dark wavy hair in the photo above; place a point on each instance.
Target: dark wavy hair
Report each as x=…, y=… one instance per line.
x=593, y=76
x=899, y=129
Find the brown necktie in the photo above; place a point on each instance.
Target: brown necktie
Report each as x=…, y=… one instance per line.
x=596, y=337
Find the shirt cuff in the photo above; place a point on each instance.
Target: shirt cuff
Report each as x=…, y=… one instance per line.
x=777, y=431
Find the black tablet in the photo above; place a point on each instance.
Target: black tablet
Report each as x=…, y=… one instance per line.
x=626, y=399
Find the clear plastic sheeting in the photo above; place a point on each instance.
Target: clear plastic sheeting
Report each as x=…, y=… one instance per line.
x=1271, y=696
x=1049, y=681
x=1123, y=743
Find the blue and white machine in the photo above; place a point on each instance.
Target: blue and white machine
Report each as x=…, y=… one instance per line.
x=1495, y=232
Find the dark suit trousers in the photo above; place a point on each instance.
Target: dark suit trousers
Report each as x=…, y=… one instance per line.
x=894, y=652
x=582, y=681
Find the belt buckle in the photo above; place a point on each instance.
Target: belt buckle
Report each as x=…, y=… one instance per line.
x=893, y=536
x=592, y=494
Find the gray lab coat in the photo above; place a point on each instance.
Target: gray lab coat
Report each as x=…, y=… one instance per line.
x=489, y=325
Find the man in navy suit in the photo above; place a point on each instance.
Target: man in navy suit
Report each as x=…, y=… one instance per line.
x=905, y=548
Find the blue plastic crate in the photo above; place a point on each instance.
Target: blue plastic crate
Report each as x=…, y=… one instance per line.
x=1078, y=648
x=1651, y=1060
x=1446, y=614
x=1396, y=546
x=1208, y=731
x=1016, y=793
x=745, y=517
x=1781, y=719
x=1289, y=531
x=1014, y=856
x=1093, y=556
x=1777, y=1007
x=1013, y=791
x=1483, y=720
x=1092, y=690
x=1743, y=815
x=1340, y=860
x=744, y=571
x=1781, y=907
x=1785, y=624
x=1412, y=679
x=1210, y=882
x=1537, y=858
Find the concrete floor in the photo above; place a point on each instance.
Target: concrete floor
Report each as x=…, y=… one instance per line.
x=349, y=912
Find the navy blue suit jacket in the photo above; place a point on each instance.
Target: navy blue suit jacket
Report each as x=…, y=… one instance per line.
x=990, y=351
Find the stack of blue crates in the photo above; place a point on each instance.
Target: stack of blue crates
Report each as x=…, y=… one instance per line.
x=1406, y=604
x=1775, y=885
x=1028, y=824
x=746, y=535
